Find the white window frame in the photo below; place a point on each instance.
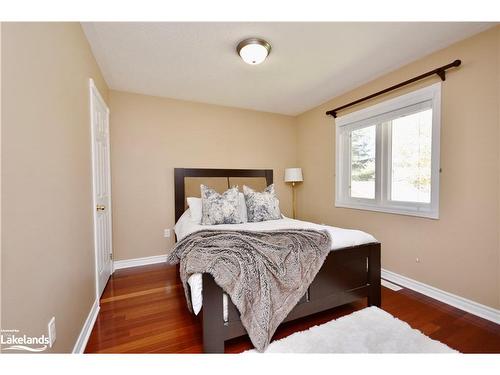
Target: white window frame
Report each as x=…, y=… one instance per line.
x=429, y=96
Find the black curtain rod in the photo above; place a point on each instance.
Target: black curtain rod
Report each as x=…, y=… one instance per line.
x=441, y=72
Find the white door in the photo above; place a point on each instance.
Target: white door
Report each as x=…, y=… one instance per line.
x=101, y=188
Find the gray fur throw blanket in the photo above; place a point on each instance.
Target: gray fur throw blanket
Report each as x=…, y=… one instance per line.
x=264, y=273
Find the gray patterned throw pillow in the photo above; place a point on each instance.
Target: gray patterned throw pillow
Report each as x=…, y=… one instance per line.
x=262, y=206
x=219, y=208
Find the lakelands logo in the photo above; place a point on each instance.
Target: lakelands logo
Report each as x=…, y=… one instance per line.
x=12, y=340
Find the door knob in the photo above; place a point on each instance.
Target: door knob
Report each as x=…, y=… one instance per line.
x=100, y=207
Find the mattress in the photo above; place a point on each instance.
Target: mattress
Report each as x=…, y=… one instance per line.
x=341, y=238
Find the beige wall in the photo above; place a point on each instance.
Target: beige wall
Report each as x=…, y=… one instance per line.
x=47, y=242
x=498, y=228
x=151, y=136
x=0, y=177
x=458, y=253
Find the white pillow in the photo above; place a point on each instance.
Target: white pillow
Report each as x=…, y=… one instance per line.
x=243, y=208
x=195, y=209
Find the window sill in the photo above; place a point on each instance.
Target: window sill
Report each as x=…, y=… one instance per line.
x=389, y=210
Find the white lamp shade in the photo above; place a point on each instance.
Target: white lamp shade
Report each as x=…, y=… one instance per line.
x=293, y=175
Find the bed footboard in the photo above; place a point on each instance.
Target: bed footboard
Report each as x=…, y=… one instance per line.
x=346, y=276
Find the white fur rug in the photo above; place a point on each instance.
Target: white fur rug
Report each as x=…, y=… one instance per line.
x=370, y=330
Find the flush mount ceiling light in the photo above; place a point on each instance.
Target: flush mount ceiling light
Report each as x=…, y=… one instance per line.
x=253, y=51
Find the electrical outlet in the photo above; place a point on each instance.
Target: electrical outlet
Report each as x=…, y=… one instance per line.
x=417, y=260
x=166, y=233
x=52, y=331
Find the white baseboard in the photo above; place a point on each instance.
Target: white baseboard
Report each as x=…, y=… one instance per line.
x=461, y=303
x=81, y=342
x=136, y=262
x=390, y=285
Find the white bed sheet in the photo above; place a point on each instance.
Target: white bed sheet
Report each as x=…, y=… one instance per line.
x=340, y=238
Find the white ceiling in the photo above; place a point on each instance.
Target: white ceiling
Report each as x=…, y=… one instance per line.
x=309, y=62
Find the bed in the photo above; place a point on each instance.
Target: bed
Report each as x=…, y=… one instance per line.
x=350, y=272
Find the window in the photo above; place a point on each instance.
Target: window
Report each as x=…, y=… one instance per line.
x=387, y=155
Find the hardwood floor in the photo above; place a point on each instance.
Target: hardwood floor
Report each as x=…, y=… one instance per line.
x=143, y=310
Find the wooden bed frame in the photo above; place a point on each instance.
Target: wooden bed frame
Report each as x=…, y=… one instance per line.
x=347, y=275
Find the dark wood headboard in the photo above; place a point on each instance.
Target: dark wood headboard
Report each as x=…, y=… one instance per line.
x=181, y=173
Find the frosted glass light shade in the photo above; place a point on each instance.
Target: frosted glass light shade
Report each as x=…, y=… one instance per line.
x=293, y=175
x=253, y=51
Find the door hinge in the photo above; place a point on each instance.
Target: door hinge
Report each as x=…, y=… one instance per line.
x=111, y=256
